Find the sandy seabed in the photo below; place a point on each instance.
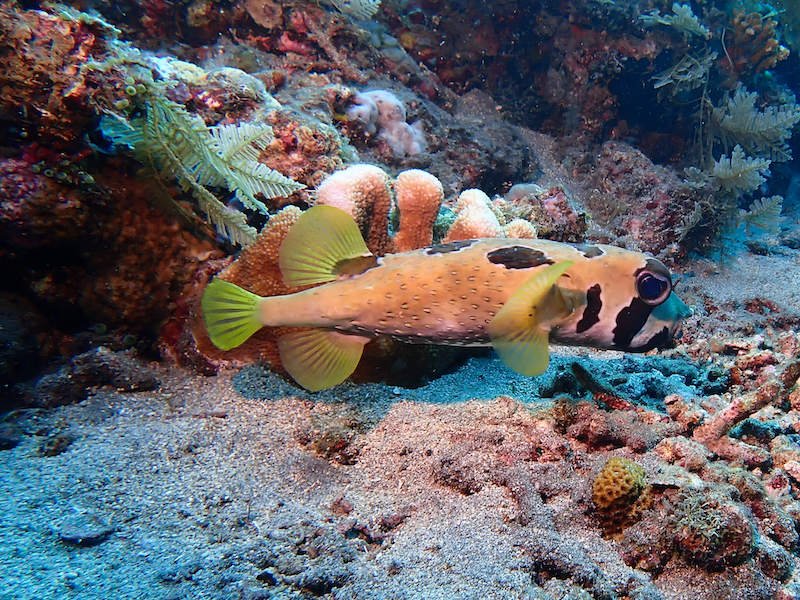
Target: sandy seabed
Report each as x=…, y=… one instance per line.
x=242, y=486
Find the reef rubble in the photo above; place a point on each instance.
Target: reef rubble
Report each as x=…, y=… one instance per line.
x=242, y=485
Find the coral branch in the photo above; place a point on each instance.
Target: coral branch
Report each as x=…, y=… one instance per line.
x=713, y=433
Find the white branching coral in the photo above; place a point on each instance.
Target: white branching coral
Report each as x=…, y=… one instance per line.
x=682, y=19
x=687, y=74
x=740, y=174
x=360, y=9
x=759, y=132
x=763, y=215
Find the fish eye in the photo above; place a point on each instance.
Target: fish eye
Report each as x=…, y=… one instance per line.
x=653, y=288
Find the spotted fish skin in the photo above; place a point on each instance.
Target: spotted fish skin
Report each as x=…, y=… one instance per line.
x=448, y=294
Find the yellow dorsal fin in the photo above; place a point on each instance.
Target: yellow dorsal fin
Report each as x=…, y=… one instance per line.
x=318, y=359
x=231, y=314
x=519, y=330
x=323, y=239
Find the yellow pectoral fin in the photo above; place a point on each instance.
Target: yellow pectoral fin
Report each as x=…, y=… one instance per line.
x=526, y=353
x=231, y=314
x=318, y=359
x=518, y=331
x=323, y=239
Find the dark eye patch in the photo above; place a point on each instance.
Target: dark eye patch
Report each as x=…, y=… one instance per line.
x=630, y=321
x=518, y=257
x=449, y=247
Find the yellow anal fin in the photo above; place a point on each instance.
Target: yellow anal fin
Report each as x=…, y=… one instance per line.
x=318, y=359
x=323, y=239
x=231, y=314
x=519, y=331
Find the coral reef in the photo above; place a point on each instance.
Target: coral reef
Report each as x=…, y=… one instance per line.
x=570, y=76
x=771, y=388
x=660, y=126
x=754, y=46
x=656, y=200
x=95, y=253
x=474, y=218
x=38, y=211
x=53, y=62
x=712, y=532
x=554, y=214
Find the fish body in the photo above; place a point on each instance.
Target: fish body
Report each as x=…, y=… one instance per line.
x=514, y=294
x=448, y=294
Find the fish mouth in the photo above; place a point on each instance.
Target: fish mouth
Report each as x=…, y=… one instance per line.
x=677, y=330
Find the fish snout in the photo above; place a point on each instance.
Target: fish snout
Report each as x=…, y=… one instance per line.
x=679, y=313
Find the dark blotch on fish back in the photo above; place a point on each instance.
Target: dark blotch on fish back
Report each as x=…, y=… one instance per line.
x=591, y=314
x=589, y=251
x=630, y=321
x=518, y=257
x=449, y=247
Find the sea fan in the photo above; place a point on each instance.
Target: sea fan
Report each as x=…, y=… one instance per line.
x=683, y=19
x=759, y=132
x=178, y=145
x=740, y=174
x=764, y=215
x=687, y=74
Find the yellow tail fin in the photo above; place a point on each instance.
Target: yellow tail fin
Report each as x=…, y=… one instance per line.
x=231, y=314
x=516, y=331
x=323, y=244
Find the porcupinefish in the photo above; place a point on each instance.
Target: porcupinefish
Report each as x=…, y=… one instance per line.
x=514, y=294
